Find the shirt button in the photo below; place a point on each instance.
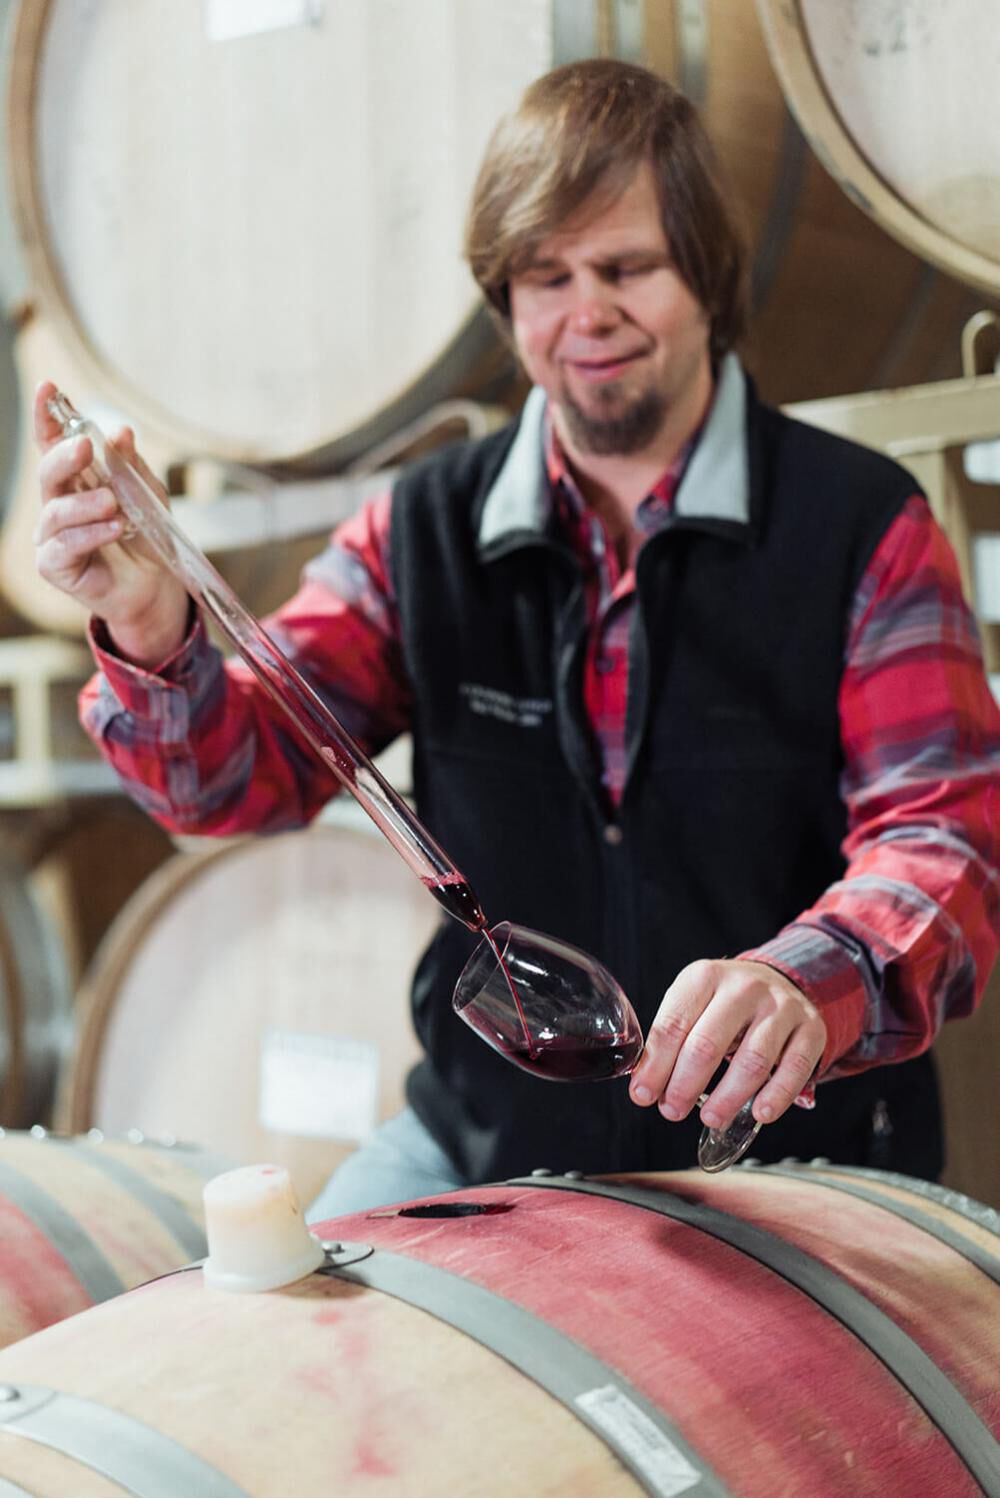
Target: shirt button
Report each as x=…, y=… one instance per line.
x=613, y=834
x=605, y=664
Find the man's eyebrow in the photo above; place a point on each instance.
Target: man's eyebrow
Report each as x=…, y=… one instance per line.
x=649, y=254
x=542, y=262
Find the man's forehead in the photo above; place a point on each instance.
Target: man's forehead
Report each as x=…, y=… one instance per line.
x=600, y=243
x=613, y=220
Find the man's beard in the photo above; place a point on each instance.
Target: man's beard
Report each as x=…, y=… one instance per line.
x=628, y=430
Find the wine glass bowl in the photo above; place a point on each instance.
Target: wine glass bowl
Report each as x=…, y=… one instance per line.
x=547, y=1006
x=555, y=1011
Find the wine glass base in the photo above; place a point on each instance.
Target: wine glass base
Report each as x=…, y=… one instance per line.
x=720, y=1148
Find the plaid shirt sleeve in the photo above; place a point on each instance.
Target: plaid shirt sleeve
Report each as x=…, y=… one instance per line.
x=907, y=938
x=205, y=750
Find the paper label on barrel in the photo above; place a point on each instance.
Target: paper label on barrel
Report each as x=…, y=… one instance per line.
x=227, y=19
x=323, y=1086
x=663, y=1467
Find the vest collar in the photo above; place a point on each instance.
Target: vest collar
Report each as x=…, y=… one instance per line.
x=714, y=492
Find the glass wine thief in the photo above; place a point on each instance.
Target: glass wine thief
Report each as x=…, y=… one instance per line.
x=152, y=520
x=548, y=1007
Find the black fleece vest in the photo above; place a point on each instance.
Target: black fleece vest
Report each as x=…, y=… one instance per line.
x=731, y=819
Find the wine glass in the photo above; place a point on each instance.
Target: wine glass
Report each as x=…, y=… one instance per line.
x=555, y=1011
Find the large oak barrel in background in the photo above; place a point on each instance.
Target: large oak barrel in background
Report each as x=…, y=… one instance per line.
x=251, y=232
x=901, y=105
x=839, y=305
x=83, y=1219
x=778, y=1331
x=273, y=271
x=254, y=997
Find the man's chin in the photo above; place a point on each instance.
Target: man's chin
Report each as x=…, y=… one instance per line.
x=613, y=423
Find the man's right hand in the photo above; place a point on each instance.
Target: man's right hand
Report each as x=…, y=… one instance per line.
x=79, y=546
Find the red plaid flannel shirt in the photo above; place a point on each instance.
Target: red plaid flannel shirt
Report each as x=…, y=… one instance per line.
x=905, y=940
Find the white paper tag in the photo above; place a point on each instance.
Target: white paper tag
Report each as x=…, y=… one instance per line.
x=323, y=1086
x=227, y=19
x=663, y=1466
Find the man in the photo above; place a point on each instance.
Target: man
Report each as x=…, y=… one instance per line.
x=690, y=685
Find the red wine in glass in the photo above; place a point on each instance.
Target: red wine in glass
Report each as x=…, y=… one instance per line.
x=570, y=1060
x=548, y=1007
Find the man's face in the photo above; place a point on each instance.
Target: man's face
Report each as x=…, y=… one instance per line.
x=605, y=324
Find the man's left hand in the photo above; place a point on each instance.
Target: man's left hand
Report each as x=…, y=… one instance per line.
x=714, y=1009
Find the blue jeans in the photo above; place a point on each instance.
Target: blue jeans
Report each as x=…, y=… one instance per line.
x=399, y=1162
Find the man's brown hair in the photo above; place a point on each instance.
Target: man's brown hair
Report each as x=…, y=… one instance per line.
x=586, y=127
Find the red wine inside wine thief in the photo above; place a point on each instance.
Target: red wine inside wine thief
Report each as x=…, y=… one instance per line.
x=455, y=895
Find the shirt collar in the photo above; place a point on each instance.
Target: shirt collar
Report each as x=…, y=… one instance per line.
x=570, y=503
x=714, y=485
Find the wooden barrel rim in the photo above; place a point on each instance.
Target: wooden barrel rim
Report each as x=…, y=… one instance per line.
x=788, y=43
x=96, y=999
x=257, y=911
x=112, y=961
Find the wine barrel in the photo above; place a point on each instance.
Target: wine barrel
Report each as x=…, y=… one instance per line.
x=782, y=1330
x=839, y=305
x=247, y=219
x=35, y=1002
x=82, y=1219
x=860, y=78
x=254, y=998
x=232, y=274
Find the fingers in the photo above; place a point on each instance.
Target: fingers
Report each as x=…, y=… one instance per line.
x=71, y=531
x=64, y=467
x=741, y=1009
x=47, y=430
x=791, y=1077
x=674, y=1033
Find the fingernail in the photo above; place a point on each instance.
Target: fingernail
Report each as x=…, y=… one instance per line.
x=671, y=1111
x=641, y=1094
x=765, y=1112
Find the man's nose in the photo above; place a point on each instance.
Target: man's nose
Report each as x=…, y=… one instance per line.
x=594, y=309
